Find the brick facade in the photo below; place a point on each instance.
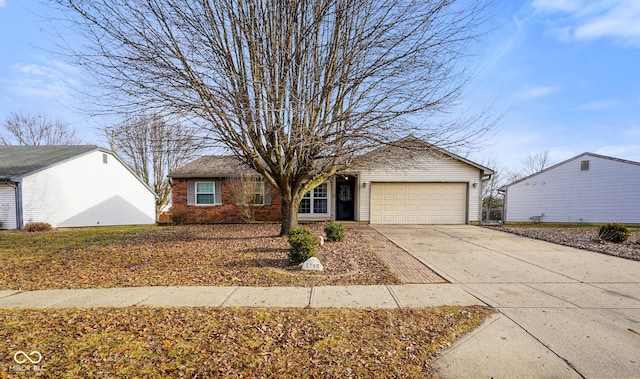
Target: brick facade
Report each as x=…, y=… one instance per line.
x=227, y=212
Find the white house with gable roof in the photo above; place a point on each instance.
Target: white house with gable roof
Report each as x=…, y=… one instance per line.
x=70, y=186
x=588, y=188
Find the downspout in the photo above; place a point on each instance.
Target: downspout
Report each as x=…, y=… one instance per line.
x=16, y=184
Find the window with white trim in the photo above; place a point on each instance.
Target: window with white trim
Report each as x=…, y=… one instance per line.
x=315, y=201
x=257, y=195
x=205, y=193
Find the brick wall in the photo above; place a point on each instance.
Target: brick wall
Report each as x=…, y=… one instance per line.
x=228, y=212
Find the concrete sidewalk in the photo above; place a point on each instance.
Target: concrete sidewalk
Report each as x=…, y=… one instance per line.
x=391, y=296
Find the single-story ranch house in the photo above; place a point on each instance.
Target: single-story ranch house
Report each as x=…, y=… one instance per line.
x=390, y=185
x=588, y=188
x=69, y=186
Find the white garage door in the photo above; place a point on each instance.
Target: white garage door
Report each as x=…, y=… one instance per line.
x=418, y=203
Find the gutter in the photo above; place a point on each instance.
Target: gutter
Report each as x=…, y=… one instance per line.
x=16, y=184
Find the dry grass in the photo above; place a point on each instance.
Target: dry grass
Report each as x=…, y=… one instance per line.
x=231, y=343
x=216, y=255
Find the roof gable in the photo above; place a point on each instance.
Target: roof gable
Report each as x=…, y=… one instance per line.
x=410, y=146
x=17, y=161
x=586, y=154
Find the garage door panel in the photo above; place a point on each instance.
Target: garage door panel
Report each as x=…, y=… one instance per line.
x=418, y=203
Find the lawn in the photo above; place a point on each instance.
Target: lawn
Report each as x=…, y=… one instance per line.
x=203, y=255
x=231, y=343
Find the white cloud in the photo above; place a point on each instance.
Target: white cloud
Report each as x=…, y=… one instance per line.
x=51, y=79
x=556, y=5
x=31, y=69
x=596, y=105
x=629, y=152
x=534, y=92
x=593, y=19
x=611, y=150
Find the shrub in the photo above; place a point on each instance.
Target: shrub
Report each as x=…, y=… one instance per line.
x=178, y=215
x=334, y=231
x=1, y=224
x=303, y=245
x=37, y=227
x=613, y=232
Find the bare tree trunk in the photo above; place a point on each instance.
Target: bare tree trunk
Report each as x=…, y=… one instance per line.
x=289, y=217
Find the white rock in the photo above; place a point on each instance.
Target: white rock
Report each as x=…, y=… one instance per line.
x=312, y=264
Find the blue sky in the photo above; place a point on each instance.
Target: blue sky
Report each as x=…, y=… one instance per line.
x=566, y=74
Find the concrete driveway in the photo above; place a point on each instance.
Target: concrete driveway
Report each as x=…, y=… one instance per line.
x=564, y=312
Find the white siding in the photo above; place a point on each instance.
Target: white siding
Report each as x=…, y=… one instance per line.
x=423, y=169
x=84, y=191
x=7, y=206
x=608, y=192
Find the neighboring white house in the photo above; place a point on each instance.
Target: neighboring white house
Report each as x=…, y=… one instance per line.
x=588, y=188
x=70, y=186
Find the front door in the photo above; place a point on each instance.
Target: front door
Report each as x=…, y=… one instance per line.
x=345, y=199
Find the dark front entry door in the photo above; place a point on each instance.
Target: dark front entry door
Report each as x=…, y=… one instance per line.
x=345, y=200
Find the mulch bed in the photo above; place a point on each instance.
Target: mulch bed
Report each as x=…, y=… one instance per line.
x=203, y=255
x=579, y=237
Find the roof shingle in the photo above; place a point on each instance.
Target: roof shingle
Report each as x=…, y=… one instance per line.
x=213, y=166
x=16, y=161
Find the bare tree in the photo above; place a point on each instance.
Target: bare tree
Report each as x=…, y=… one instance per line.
x=153, y=147
x=491, y=197
x=293, y=88
x=36, y=129
x=247, y=194
x=534, y=163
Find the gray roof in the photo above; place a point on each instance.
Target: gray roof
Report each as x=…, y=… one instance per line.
x=213, y=166
x=17, y=161
x=223, y=166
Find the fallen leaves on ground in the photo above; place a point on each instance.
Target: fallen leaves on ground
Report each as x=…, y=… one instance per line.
x=189, y=255
x=232, y=343
x=584, y=237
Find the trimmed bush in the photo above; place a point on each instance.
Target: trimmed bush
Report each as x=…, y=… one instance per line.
x=334, y=231
x=37, y=227
x=303, y=245
x=613, y=232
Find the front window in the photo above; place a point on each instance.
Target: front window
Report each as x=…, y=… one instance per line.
x=205, y=193
x=315, y=201
x=257, y=196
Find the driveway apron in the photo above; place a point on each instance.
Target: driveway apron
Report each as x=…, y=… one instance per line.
x=580, y=309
